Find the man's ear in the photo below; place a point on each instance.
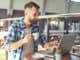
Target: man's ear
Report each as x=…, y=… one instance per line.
x=26, y=11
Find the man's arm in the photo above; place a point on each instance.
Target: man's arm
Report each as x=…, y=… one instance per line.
x=11, y=43
x=45, y=44
x=17, y=44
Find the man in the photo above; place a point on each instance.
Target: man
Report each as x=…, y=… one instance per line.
x=17, y=41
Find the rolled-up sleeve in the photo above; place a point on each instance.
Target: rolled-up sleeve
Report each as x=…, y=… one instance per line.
x=10, y=36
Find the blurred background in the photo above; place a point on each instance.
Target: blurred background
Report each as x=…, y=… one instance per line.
x=53, y=26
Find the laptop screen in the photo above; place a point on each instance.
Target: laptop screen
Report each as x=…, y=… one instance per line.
x=67, y=42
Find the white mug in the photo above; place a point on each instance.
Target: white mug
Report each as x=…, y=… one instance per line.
x=35, y=35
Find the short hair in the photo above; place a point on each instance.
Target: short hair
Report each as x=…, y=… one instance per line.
x=30, y=5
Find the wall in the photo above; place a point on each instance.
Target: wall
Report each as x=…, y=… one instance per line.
x=75, y=7
x=21, y=4
x=4, y=4
x=53, y=6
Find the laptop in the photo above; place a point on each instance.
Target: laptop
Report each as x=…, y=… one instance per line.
x=67, y=42
x=65, y=45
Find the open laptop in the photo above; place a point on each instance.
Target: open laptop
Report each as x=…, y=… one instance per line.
x=67, y=42
x=65, y=45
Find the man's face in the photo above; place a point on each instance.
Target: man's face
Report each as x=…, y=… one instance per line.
x=32, y=14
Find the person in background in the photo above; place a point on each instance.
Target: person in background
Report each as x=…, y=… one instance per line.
x=18, y=42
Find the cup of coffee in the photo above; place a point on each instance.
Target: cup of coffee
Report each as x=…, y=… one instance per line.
x=35, y=35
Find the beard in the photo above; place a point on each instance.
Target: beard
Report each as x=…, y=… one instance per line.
x=33, y=21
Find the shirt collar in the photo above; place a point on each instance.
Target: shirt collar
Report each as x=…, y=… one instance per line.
x=22, y=25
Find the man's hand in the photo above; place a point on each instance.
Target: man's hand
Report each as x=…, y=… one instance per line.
x=51, y=47
x=27, y=38
x=48, y=45
x=41, y=48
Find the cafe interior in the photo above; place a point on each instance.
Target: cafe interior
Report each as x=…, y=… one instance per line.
x=60, y=27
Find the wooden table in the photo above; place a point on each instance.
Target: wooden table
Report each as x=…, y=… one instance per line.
x=65, y=57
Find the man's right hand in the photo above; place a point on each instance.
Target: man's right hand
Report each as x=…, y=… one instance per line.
x=27, y=38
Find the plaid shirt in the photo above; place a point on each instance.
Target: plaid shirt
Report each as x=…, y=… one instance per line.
x=16, y=33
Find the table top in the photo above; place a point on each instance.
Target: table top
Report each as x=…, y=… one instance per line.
x=65, y=57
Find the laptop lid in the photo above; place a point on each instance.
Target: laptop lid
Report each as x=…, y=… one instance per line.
x=67, y=42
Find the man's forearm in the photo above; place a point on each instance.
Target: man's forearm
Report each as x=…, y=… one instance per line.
x=15, y=45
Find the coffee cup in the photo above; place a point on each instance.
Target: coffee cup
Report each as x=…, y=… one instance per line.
x=35, y=36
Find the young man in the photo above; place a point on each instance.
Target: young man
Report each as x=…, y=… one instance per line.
x=17, y=40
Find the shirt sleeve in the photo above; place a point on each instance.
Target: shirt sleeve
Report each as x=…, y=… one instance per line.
x=10, y=36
